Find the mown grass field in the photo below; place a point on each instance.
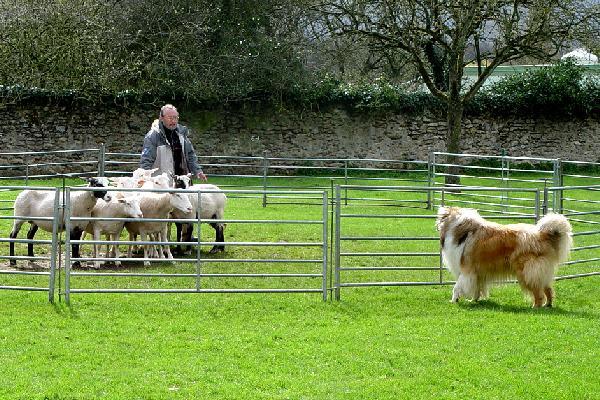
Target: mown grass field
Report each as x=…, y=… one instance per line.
x=376, y=343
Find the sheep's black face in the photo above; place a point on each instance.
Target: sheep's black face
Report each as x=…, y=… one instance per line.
x=99, y=182
x=180, y=183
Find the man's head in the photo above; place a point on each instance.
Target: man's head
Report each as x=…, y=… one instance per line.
x=169, y=116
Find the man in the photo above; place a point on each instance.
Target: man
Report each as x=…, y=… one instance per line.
x=167, y=147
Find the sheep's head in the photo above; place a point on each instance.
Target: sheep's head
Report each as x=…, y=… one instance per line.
x=99, y=182
x=182, y=181
x=131, y=206
x=141, y=173
x=181, y=202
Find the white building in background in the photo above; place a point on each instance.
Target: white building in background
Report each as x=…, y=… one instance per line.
x=582, y=56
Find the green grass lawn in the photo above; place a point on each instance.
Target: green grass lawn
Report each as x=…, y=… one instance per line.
x=376, y=343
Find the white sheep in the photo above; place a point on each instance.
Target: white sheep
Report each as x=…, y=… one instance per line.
x=157, y=205
x=139, y=177
x=212, y=206
x=147, y=181
x=120, y=206
x=30, y=204
x=142, y=173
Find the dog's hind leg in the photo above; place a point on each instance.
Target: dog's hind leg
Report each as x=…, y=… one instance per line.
x=538, y=297
x=478, y=288
x=549, y=292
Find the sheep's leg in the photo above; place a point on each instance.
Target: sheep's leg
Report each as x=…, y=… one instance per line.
x=30, y=235
x=130, y=247
x=219, y=237
x=146, y=248
x=75, y=234
x=108, y=253
x=96, y=238
x=13, y=235
x=167, y=247
x=156, y=248
x=115, y=253
x=178, y=227
x=135, y=248
x=186, y=236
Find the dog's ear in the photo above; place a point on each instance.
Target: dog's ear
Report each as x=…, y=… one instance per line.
x=443, y=211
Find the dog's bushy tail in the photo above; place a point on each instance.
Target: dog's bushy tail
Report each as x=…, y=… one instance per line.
x=559, y=230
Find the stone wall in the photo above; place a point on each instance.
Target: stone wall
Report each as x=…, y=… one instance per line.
x=307, y=134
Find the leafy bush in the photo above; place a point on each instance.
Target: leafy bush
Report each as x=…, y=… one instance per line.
x=366, y=96
x=554, y=90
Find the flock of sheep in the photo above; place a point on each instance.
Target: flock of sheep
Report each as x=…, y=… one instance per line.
x=36, y=207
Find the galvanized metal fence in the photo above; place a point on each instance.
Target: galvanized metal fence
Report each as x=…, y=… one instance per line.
x=581, y=205
x=520, y=193
x=42, y=279
x=27, y=165
x=202, y=270
x=387, y=256
x=279, y=173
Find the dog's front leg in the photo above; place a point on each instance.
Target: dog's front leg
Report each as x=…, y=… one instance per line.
x=457, y=289
x=455, y=294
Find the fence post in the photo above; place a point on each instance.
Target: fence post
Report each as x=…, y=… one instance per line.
x=325, y=244
x=504, y=172
x=430, y=182
x=537, y=203
x=199, y=240
x=336, y=283
x=67, y=218
x=54, y=250
x=101, y=159
x=265, y=173
x=558, y=182
x=545, y=201
x=346, y=182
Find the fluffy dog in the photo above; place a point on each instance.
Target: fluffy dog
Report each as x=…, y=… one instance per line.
x=479, y=252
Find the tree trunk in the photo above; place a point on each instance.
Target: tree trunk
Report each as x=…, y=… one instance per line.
x=454, y=119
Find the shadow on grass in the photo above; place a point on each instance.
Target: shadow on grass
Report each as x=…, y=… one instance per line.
x=525, y=309
x=62, y=308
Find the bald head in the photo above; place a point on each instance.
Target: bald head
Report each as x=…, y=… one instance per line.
x=169, y=116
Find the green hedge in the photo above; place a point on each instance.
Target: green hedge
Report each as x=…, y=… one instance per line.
x=560, y=90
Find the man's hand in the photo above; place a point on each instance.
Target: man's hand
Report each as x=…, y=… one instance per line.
x=201, y=176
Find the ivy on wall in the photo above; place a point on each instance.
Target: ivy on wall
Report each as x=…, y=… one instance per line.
x=564, y=89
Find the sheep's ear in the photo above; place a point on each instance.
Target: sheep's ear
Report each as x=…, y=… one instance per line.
x=122, y=200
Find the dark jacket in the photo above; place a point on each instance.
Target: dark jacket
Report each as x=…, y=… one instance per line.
x=157, y=151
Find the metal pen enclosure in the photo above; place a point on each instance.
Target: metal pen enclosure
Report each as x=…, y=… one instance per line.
x=523, y=188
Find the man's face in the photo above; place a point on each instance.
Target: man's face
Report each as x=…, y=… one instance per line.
x=170, y=118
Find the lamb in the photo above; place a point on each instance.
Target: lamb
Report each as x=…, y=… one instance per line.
x=146, y=181
x=142, y=173
x=139, y=177
x=120, y=206
x=38, y=203
x=157, y=205
x=212, y=206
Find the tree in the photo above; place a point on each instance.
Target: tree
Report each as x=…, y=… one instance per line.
x=150, y=50
x=441, y=37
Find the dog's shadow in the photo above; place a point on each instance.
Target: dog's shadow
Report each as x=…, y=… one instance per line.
x=516, y=309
